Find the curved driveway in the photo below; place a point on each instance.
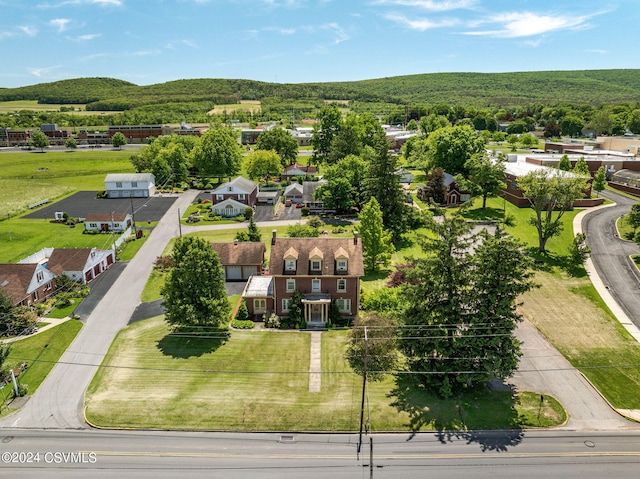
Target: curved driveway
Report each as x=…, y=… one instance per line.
x=610, y=254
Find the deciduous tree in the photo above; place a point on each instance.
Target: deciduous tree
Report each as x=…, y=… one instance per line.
x=118, y=140
x=217, y=153
x=282, y=142
x=328, y=125
x=581, y=167
x=451, y=147
x=599, y=180
x=263, y=163
x=39, y=140
x=550, y=195
x=486, y=176
x=194, y=292
x=376, y=350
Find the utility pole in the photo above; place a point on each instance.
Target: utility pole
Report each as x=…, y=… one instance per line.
x=179, y=225
x=133, y=217
x=370, y=458
x=364, y=386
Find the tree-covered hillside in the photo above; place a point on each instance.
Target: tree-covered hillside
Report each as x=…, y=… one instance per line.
x=593, y=87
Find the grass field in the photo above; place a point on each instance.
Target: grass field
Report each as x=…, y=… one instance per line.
x=26, y=178
x=41, y=352
x=33, y=105
x=260, y=381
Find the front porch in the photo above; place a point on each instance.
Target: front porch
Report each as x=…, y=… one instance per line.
x=316, y=309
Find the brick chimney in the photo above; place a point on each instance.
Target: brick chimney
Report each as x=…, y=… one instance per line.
x=273, y=237
x=355, y=237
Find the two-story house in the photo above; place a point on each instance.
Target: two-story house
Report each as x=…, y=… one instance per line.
x=130, y=185
x=231, y=198
x=325, y=270
x=27, y=283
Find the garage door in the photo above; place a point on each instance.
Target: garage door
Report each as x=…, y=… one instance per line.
x=248, y=271
x=234, y=273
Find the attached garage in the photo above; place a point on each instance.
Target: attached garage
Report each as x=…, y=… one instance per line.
x=234, y=273
x=239, y=259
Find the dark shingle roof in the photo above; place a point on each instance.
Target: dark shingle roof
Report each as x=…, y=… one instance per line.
x=330, y=249
x=15, y=279
x=68, y=259
x=240, y=253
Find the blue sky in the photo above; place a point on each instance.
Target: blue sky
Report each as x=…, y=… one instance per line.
x=296, y=41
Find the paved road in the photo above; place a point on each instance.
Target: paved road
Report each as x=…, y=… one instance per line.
x=610, y=254
x=59, y=400
x=150, y=455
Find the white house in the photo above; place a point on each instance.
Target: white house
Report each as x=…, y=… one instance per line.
x=126, y=185
x=80, y=264
x=228, y=208
x=107, y=222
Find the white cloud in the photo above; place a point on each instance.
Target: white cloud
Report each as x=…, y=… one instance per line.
x=145, y=53
x=595, y=50
x=42, y=71
x=103, y=3
x=84, y=38
x=432, y=5
x=338, y=32
x=59, y=23
x=6, y=35
x=526, y=24
x=188, y=43
x=94, y=56
x=420, y=24
x=28, y=30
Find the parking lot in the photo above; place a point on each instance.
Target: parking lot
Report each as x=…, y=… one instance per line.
x=83, y=203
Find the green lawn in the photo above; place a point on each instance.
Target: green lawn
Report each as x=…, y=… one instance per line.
x=41, y=352
x=53, y=174
x=260, y=381
x=625, y=229
x=21, y=237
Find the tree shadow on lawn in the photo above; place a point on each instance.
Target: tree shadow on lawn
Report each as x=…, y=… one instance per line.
x=547, y=261
x=483, y=416
x=484, y=214
x=188, y=344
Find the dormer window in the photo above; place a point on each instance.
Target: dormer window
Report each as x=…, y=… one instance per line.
x=315, y=260
x=341, y=265
x=290, y=260
x=39, y=276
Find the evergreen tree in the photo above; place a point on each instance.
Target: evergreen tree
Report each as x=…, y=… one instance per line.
x=384, y=185
x=243, y=312
x=376, y=242
x=194, y=292
x=460, y=312
x=581, y=167
x=435, y=186
x=253, y=232
x=564, y=163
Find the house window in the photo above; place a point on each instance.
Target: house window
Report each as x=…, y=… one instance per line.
x=93, y=225
x=291, y=285
x=134, y=184
x=230, y=188
x=290, y=265
x=465, y=197
x=219, y=197
x=342, y=265
x=118, y=184
x=39, y=276
x=35, y=295
x=316, y=265
x=259, y=306
x=285, y=304
x=241, y=197
x=342, y=285
x=316, y=285
x=344, y=305
x=48, y=286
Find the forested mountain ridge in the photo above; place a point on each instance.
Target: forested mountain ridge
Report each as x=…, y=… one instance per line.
x=592, y=87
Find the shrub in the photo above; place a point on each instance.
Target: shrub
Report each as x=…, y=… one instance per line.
x=243, y=312
x=338, y=229
x=305, y=211
x=163, y=263
x=273, y=321
x=381, y=300
x=248, y=213
x=237, y=324
x=315, y=222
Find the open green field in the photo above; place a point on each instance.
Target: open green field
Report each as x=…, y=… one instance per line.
x=29, y=177
x=41, y=352
x=260, y=381
x=33, y=105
